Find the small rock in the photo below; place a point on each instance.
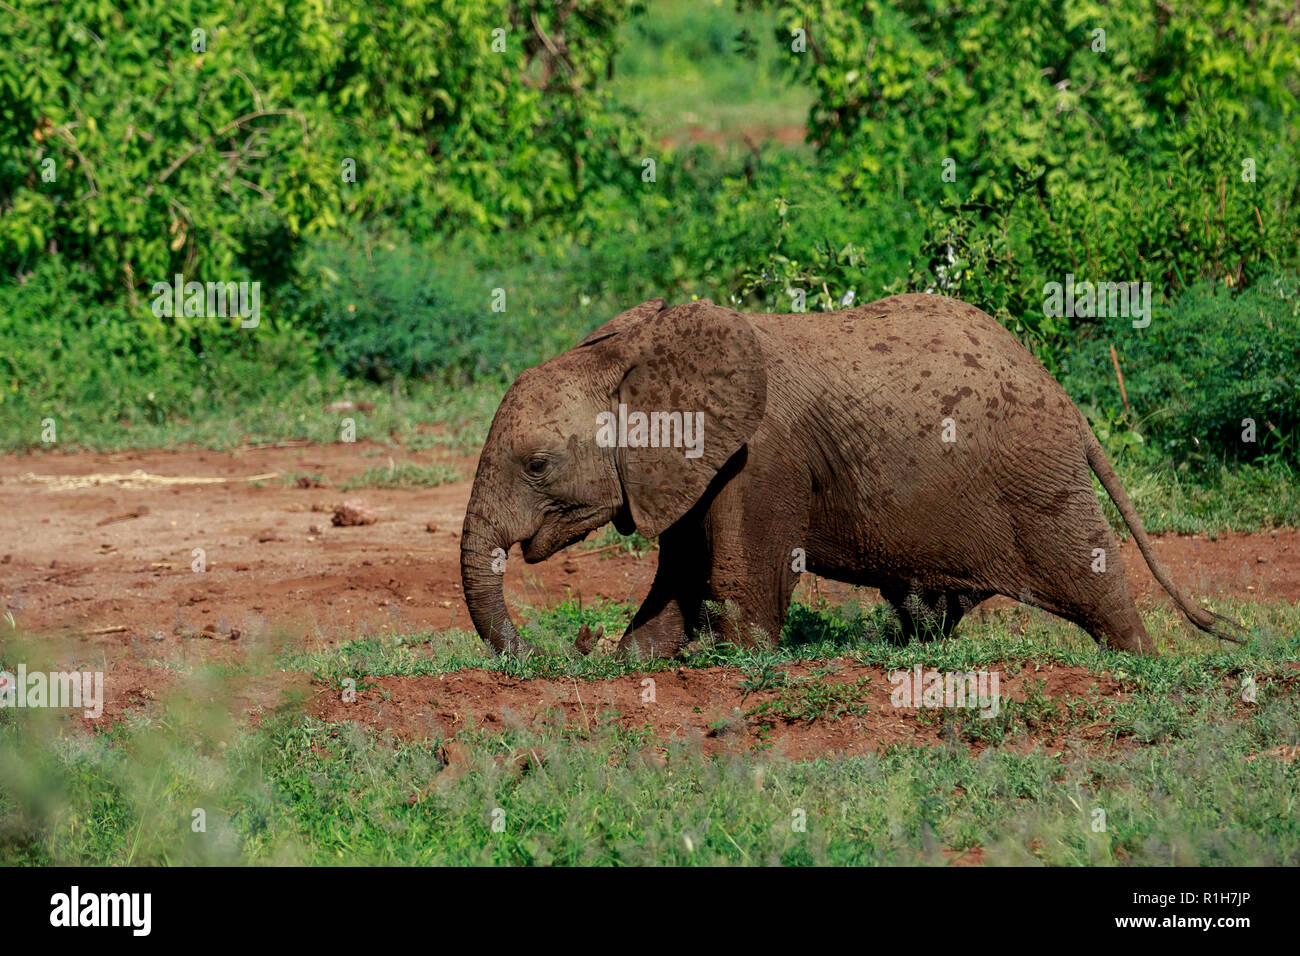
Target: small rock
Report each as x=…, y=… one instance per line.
x=353, y=512
x=587, y=639
x=456, y=760
x=338, y=408
x=431, y=527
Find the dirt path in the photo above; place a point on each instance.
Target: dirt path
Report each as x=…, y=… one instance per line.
x=82, y=560
x=825, y=708
x=273, y=559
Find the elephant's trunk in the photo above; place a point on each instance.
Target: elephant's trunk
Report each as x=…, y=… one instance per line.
x=484, y=586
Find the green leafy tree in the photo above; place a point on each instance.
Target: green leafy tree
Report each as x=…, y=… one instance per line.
x=208, y=138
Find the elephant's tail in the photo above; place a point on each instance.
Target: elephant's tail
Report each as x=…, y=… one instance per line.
x=1215, y=624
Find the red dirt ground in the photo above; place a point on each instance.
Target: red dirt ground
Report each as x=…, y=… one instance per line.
x=703, y=706
x=271, y=559
x=123, y=592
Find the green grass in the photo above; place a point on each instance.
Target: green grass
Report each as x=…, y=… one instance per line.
x=465, y=440
x=805, y=699
x=1240, y=498
x=1190, y=790
x=405, y=474
x=867, y=634
x=634, y=544
x=288, y=408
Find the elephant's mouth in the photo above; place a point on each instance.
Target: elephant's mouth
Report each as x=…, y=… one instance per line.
x=548, y=540
x=542, y=545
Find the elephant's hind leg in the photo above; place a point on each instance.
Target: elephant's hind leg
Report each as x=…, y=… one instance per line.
x=1073, y=569
x=927, y=613
x=1108, y=613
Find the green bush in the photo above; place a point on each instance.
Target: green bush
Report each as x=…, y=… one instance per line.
x=1116, y=164
x=1209, y=360
x=390, y=307
x=88, y=367
x=208, y=137
x=749, y=230
x=381, y=311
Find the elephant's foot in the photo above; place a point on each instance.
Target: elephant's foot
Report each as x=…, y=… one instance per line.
x=644, y=643
x=662, y=636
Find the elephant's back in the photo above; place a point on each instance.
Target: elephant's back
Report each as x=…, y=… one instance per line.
x=903, y=326
x=929, y=341
x=907, y=363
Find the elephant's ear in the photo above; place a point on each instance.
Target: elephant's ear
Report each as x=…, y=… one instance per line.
x=705, y=364
x=624, y=321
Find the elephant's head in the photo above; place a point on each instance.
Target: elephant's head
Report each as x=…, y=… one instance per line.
x=555, y=466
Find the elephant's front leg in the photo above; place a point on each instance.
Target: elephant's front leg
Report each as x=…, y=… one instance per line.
x=758, y=531
x=668, y=617
x=751, y=598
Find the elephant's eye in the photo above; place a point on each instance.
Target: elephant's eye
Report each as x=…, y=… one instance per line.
x=538, y=465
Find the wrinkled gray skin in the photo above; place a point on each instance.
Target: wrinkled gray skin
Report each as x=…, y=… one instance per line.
x=825, y=433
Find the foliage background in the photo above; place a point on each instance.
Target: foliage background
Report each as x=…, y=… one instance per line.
x=521, y=169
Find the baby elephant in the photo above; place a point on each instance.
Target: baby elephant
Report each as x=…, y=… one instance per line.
x=912, y=445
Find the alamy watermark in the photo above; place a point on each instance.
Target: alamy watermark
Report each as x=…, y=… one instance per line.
x=209, y=299
x=1099, y=300
x=66, y=689
x=75, y=908
x=651, y=430
x=934, y=689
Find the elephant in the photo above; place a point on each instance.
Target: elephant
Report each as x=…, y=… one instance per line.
x=911, y=444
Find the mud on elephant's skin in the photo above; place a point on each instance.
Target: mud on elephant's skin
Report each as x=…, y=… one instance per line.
x=911, y=444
